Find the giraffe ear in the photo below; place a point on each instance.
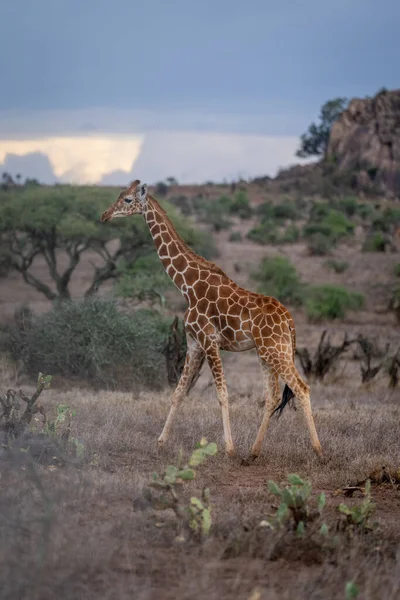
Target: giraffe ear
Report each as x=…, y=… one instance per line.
x=141, y=193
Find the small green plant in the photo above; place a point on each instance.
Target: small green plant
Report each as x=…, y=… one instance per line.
x=295, y=509
x=290, y=235
x=331, y=302
x=327, y=222
x=357, y=517
x=377, y=242
x=235, y=236
x=196, y=515
x=337, y=265
x=60, y=428
x=240, y=206
x=351, y=590
x=319, y=244
x=266, y=233
x=144, y=279
x=277, y=277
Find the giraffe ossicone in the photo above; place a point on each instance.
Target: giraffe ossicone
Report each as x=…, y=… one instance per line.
x=221, y=315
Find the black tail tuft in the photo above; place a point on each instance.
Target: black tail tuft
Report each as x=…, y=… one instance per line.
x=286, y=397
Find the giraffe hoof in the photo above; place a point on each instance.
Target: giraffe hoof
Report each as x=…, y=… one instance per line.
x=160, y=444
x=231, y=452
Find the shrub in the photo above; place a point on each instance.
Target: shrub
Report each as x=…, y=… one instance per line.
x=337, y=265
x=375, y=243
x=319, y=244
x=266, y=233
x=331, y=301
x=332, y=224
x=235, y=236
x=277, y=277
x=240, y=206
x=347, y=205
x=290, y=235
x=285, y=210
x=215, y=213
x=89, y=339
x=144, y=279
x=184, y=204
x=386, y=220
x=278, y=212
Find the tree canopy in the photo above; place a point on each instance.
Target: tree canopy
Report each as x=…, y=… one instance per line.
x=315, y=141
x=63, y=222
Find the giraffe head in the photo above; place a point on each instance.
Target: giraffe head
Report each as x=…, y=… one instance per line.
x=131, y=201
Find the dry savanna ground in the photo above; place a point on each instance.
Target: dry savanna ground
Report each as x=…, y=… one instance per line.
x=74, y=528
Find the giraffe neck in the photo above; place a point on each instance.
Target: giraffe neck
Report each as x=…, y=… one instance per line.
x=178, y=259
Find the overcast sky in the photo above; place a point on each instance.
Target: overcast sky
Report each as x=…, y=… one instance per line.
x=188, y=87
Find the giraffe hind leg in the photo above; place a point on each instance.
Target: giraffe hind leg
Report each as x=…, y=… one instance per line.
x=272, y=397
x=301, y=390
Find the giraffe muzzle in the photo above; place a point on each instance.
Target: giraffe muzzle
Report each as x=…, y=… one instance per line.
x=106, y=216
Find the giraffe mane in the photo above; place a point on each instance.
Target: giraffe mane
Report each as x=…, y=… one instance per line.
x=203, y=262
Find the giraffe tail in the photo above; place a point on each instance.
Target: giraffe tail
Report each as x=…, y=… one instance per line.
x=287, y=392
x=286, y=397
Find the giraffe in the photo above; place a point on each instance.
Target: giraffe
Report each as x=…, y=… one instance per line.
x=221, y=315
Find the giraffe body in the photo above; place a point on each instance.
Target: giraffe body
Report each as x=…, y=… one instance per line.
x=221, y=316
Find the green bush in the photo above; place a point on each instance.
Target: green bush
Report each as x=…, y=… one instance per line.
x=331, y=301
x=387, y=220
x=375, y=243
x=240, y=206
x=290, y=235
x=347, y=205
x=90, y=339
x=144, y=279
x=235, y=236
x=277, y=277
x=215, y=213
x=319, y=244
x=329, y=223
x=266, y=233
x=285, y=210
x=278, y=212
x=337, y=265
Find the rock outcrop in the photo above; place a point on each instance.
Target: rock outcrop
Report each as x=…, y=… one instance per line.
x=366, y=140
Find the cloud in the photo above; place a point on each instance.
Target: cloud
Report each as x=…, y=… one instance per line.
x=194, y=157
x=83, y=159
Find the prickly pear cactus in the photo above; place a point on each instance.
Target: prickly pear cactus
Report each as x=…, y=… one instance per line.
x=196, y=516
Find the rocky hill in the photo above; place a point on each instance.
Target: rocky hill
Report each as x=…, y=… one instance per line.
x=366, y=140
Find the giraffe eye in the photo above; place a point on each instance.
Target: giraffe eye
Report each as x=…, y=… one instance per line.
x=128, y=200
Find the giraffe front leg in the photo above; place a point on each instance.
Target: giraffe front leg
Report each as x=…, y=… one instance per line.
x=272, y=398
x=215, y=362
x=194, y=360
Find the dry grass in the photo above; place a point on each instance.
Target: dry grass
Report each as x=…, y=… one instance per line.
x=72, y=532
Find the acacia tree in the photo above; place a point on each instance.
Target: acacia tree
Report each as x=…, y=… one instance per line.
x=61, y=224
x=315, y=141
